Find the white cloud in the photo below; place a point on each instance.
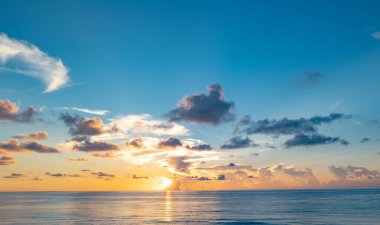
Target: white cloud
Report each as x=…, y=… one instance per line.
x=336, y=104
x=89, y=111
x=24, y=58
x=144, y=124
x=376, y=35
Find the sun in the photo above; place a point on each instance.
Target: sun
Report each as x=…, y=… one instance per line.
x=166, y=182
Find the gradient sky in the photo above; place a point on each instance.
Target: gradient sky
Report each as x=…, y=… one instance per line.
x=162, y=91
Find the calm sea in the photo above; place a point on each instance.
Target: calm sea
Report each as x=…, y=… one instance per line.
x=193, y=207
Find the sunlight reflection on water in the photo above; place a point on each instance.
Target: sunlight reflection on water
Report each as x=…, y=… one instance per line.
x=346, y=207
x=168, y=207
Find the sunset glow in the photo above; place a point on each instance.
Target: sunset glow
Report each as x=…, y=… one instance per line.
x=188, y=95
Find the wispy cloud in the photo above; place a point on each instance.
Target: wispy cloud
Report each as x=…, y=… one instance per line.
x=24, y=58
x=38, y=135
x=307, y=79
x=6, y=160
x=145, y=124
x=14, y=176
x=99, y=112
x=336, y=104
x=376, y=35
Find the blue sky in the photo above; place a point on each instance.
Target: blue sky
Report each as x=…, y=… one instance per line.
x=273, y=59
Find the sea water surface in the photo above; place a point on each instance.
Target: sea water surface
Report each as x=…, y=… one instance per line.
x=193, y=207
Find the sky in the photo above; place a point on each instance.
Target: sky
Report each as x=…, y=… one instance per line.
x=189, y=95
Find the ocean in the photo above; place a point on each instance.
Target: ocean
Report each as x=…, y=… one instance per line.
x=309, y=207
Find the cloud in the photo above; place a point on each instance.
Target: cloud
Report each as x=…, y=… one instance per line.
x=200, y=147
x=78, y=160
x=238, y=142
x=139, y=177
x=144, y=124
x=204, y=109
x=203, y=178
x=364, y=140
x=171, y=142
x=89, y=111
x=307, y=79
x=376, y=35
x=39, y=135
x=95, y=146
x=24, y=58
x=336, y=104
x=7, y=160
x=104, y=155
x=279, y=175
x=14, y=145
x=83, y=126
x=313, y=139
x=60, y=175
x=135, y=143
x=285, y=126
x=9, y=111
x=354, y=173
x=103, y=175
x=221, y=177
x=304, y=174
x=179, y=163
x=318, y=120
x=14, y=176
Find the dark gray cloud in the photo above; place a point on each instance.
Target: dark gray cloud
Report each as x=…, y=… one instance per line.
x=60, y=175
x=312, y=139
x=95, y=146
x=78, y=160
x=14, y=176
x=221, y=177
x=307, y=79
x=7, y=160
x=238, y=142
x=204, y=109
x=171, y=142
x=103, y=175
x=80, y=126
x=203, y=178
x=14, y=145
x=364, y=140
x=285, y=126
x=9, y=112
x=354, y=173
x=318, y=120
x=201, y=147
x=104, y=155
x=38, y=135
x=139, y=177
